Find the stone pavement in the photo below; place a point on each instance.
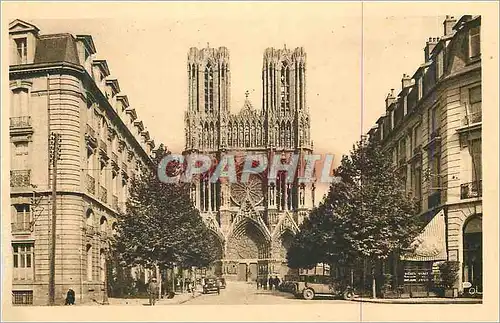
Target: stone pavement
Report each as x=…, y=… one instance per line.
x=179, y=298
x=429, y=300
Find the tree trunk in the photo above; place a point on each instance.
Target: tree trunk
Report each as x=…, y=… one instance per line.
x=374, y=282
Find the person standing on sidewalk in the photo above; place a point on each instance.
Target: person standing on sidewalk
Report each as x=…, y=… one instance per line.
x=153, y=291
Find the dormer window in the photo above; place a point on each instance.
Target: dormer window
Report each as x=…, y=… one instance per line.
x=21, y=50
x=475, y=41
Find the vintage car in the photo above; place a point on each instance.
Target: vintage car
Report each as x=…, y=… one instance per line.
x=222, y=282
x=210, y=284
x=310, y=286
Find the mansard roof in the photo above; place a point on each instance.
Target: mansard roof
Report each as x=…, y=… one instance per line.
x=56, y=48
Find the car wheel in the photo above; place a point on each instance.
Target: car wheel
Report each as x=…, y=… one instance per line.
x=308, y=294
x=348, y=295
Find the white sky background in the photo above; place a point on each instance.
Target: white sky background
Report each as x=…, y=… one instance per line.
x=148, y=56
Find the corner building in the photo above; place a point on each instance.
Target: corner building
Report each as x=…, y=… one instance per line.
x=255, y=221
x=58, y=85
x=433, y=128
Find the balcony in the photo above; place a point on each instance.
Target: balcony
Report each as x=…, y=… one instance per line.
x=114, y=162
x=21, y=227
x=90, y=184
x=471, y=190
x=124, y=171
x=20, y=178
x=435, y=134
x=90, y=137
x=20, y=122
x=473, y=118
x=89, y=230
x=114, y=202
x=103, y=194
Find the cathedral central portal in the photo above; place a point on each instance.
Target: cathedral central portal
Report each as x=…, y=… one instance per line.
x=254, y=221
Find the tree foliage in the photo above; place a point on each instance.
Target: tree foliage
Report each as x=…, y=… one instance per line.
x=366, y=215
x=161, y=225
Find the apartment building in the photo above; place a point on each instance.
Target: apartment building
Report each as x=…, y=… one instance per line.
x=432, y=127
x=59, y=87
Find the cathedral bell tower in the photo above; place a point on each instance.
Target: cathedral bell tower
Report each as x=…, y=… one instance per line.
x=209, y=80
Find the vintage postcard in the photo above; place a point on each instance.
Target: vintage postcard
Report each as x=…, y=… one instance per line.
x=250, y=161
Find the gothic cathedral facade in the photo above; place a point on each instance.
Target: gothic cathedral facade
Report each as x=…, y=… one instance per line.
x=254, y=221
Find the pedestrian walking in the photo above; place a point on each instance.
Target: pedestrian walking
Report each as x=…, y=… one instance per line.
x=271, y=282
x=70, y=297
x=153, y=291
x=258, y=283
x=276, y=282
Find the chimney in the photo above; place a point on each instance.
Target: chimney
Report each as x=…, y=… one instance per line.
x=405, y=81
x=429, y=46
x=448, y=24
x=390, y=99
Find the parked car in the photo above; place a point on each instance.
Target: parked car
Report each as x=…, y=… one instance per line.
x=222, y=282
x=210, y=284
x=310, y=286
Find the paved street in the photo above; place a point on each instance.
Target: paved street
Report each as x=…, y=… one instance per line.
x=240, y=293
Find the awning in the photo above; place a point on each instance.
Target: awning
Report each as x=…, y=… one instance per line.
x=430, y=244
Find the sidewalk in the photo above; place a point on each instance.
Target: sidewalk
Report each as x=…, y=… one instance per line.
x=430, y=300
x=178, y=299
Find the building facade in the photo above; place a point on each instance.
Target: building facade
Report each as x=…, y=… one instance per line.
x=58, y=86
x=254, y=221
x=433, y=129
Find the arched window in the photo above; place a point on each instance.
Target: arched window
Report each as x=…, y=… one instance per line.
x=89, y=262
x=285, y=88
x=103, y=223
x=247, y=134
x=230, y=134
x=90, y=218
x=209, y=89
x=288, y=134
x=114, y=228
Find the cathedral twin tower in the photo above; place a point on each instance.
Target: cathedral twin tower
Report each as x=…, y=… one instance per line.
x=254, y=221
x=283, y=122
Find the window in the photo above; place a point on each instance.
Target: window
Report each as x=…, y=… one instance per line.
x=475, y=112
x=440, y=64
x=434, y=172
x=22, y=217
x=417, y=136
x=19, y=106
x=475, y=41
x=433, y=122
x=21, y=50
x=285, y=88
x=23, y=261
x=405, y=105
x=20, y=156
x=392, y=119
x=89, y=262
x=475, y=152
x=22, y=297
x=420, y=87
x=209, y=89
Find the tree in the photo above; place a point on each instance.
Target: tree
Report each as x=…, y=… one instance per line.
x=366, y=215
x=161, y=226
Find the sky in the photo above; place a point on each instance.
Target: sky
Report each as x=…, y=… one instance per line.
x=355, y=55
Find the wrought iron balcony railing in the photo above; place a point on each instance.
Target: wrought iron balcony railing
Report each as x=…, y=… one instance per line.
x=21, y=227
x=472, y=118
x=471, y=190
x=103, y=146
x=103, y=194
x=20, y=178
x=90, y=184
x=90, y=136
x=435, y=133
x=20, y=122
